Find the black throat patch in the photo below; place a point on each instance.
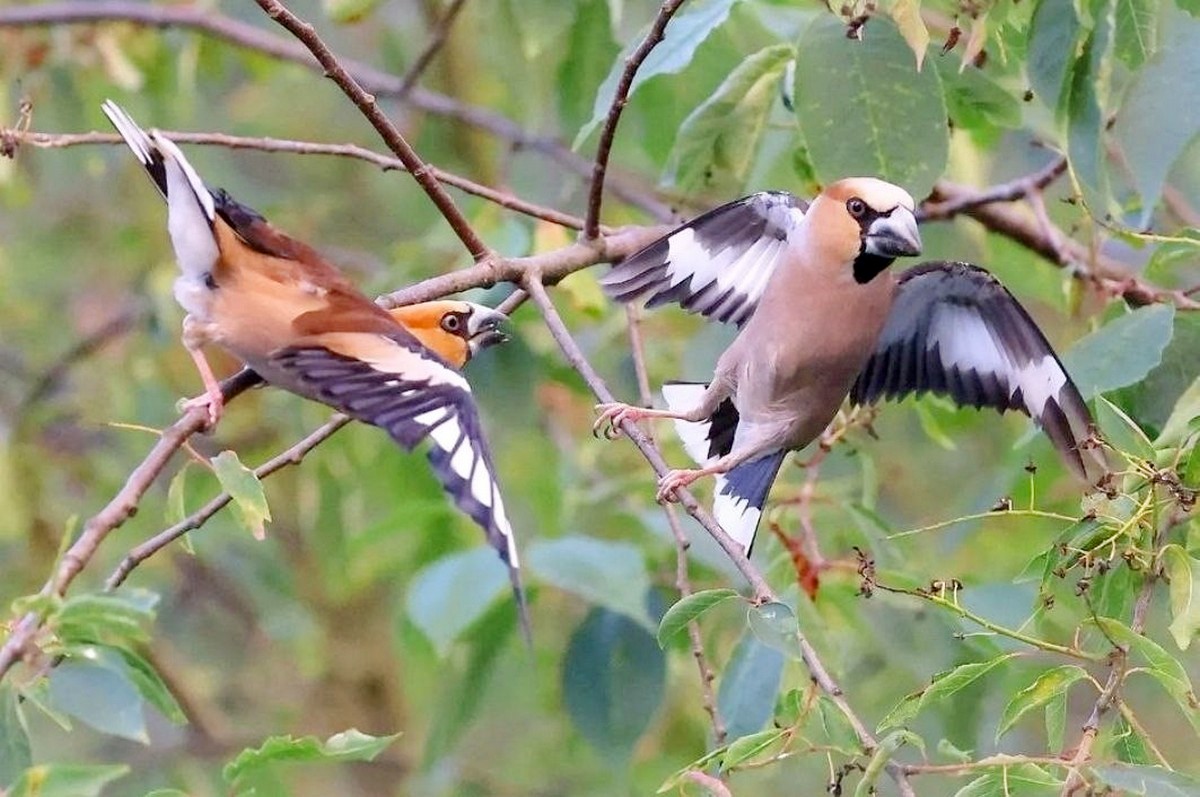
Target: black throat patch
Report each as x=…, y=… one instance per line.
x=868, y=266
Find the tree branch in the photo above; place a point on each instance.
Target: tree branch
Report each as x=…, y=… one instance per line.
x=267, y=144
x=441, y=31
x=609, y=131
x=381, y=84
x=391, y=136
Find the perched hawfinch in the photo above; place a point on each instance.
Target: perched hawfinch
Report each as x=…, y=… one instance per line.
x=823, y=317
x=294, y=318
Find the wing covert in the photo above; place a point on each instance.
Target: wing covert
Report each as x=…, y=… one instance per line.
x=956, y=331
x=717, y=264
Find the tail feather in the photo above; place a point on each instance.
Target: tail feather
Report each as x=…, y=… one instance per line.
x=740, y=495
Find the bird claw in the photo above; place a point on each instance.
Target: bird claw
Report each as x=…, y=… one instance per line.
x=213, y=402
x=612, y=415
x=674, y=480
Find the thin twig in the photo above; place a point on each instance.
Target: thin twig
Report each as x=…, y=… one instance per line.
x=391, y=136
x=441, y=31
x=382, y=84
x=683, y=582
x=267, y=144
x=609, y=131
x=292, y=456
x=762, y=591
x=1004, y=192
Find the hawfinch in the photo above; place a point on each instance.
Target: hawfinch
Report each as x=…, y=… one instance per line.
x=822, y=317
x=290, y=315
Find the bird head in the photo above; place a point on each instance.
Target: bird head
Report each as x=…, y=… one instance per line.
x=865, y=222
x=455, y=330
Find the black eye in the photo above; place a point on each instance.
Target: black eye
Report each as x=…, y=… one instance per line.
x=451, y=322
x=856, y=207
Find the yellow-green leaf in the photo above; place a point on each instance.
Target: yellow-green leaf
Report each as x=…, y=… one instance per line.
x=249, y=500
x=1184, y=573
x=907, y=16
x=1045, y=687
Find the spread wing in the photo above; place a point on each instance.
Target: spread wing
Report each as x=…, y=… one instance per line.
x=956, y=331
x=398, y=385
x=718, y=263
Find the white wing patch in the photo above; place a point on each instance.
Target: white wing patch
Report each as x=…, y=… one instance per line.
x=680, y=397
x=736, y=515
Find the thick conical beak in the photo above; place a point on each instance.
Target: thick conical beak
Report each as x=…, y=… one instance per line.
x=483, y=328
x=894, y=235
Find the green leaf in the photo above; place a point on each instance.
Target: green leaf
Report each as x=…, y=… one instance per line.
x=150, y=685
x=97, y=690
x=746, y=696
x=167, y=793
x=614, y=678
x=975, y=101
x=899, y=130
x=15, y=754
x=351, y=745
x=1121, y=431
x=1137, y=31
x=1122, y=351
x=1129, y=744
x=717, y=142
x=1165, y=88
x=65, y=780
x=118, y=617
x=1019, y=780
x=1088, y=109
x=689, y=609
x=345, y=12
x=1162, y=666
x=1148, y=781
x=747, y=747
x=249, y=500
x=1187, y=409
x=1184, y=574
x=775, y=625
x=907, y=16
x=1047, y=686
x=176, y=509
x=1053, y=41
x=448, y=596
x=686, y=31
x=838, y=731
x=1056, y=721
x=609, y=574
x=941, y=687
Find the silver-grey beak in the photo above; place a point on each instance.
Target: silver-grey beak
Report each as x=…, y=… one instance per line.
x=483, y=328
x=894, y=235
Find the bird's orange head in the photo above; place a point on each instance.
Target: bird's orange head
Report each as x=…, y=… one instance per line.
x=455, y=330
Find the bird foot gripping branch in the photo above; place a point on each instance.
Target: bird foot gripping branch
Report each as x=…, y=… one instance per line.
x=293, y=317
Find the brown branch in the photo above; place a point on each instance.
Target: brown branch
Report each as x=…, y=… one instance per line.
x=1011, y=191
x=292, y=456
x=441, y=31
x=391, y=136
x=682, y=581
x=266, y=144
x=122, y=507
x=762, y=591
x=382, y=84
x=609, y=131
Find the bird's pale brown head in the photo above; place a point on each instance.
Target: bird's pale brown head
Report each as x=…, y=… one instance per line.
x=866, y=223
x=455, y=330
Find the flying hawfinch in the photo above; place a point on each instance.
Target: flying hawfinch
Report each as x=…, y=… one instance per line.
x=301, y=325
x=822, y=316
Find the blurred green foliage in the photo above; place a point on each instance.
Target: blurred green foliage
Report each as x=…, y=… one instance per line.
x=371, y=605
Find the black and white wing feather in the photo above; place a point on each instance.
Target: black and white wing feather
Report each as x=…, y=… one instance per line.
x=956, y=331
x=397, y=385
x=718, y=263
